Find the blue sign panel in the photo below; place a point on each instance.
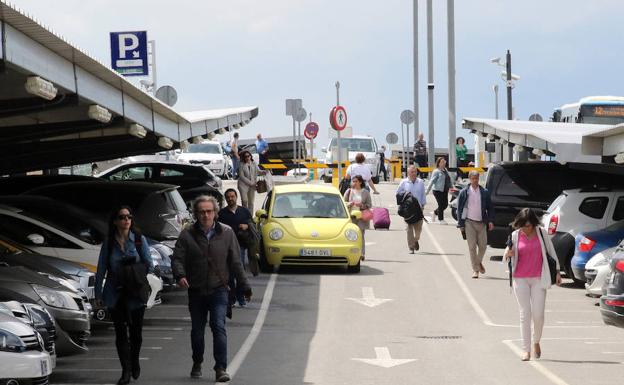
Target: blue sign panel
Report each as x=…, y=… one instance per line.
x=129, y=53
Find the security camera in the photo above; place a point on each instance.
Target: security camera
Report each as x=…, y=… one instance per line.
x=496, y=60
x=146, y=83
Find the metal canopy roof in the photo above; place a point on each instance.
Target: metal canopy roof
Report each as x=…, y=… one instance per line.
x=36, y=133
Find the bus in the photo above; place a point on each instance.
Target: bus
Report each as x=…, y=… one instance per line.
x=607, y=110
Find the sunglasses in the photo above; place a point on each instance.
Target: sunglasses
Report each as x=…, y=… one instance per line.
x=124, y=216
x=205, y=212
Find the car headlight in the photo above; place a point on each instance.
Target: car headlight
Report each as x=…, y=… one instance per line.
x=9, y=342
x=69, y=284
x=276, y=234
x=218, y=161
x=351, y=235
x=55, y=298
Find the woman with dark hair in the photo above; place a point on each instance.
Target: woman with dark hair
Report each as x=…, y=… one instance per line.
x=440, y=182
x=528, y=250
x=461, y=151
x=359, y=198
x=247, y=178
x=124, y=261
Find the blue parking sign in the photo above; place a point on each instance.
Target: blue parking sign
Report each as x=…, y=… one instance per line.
x=129, y=53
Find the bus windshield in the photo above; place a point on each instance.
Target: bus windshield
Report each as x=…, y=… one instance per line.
x=355, y=144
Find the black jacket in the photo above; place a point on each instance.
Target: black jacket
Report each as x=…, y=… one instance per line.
x=409, y=208
x=189, y=262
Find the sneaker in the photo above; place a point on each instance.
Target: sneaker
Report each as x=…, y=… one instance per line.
x=411, y=251
x=417, y=246
x=221, y=375
x=196, y=371
x=482, y=269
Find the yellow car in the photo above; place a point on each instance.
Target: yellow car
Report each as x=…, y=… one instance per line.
x=308, y=225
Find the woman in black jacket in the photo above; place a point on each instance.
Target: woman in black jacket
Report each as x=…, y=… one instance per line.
x=124, y=261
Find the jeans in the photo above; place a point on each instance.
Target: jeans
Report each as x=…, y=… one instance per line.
x=199, y=306
x=442, y=199
x=124, y=320
x=235, y=164
x=240, y=295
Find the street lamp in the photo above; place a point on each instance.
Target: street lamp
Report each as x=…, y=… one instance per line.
x=509, y=77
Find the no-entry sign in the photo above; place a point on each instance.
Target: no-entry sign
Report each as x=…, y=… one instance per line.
x=338, y=118
x=311, y=130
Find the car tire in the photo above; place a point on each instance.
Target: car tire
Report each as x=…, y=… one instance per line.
x=265, y=267
x=354, y=269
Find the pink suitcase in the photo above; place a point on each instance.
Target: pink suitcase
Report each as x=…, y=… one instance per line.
x=381, y=218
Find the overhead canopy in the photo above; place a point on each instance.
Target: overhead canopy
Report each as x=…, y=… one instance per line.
x=605, y=142
x=37, y=133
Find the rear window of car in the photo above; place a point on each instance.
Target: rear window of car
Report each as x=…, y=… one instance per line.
x=594, y=207
x=618, y=213
x=177, y=202
x=508, y=187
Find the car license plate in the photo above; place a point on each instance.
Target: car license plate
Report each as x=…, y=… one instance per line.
x=315, y=253
x=44, y=367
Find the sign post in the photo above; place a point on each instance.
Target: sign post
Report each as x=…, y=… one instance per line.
x=129, y=53
x=310, y=132
x=338, y=121
x=292, y=109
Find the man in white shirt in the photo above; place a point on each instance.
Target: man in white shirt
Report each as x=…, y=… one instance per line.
x=414, y=185
x=362, y=169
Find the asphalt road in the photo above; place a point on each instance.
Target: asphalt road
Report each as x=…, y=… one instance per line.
x=405, y=319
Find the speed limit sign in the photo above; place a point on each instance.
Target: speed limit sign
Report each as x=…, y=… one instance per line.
x=338, y=118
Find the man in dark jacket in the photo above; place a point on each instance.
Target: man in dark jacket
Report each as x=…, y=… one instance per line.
x=412, y=199
x=475, y=216
x=204, y=257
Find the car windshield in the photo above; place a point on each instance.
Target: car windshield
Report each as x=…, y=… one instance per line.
x=207, y=148
x=355, y=144
x=308, y=205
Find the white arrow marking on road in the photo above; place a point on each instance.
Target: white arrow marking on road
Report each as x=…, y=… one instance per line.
x=384, y=359
x=368, y=298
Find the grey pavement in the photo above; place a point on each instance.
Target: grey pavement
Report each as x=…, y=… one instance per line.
x=439, y=326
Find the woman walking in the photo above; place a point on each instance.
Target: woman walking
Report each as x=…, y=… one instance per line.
x=359, y=198
x=440, y=182
x=461, y=151
x=124, y=261
x=528, y=249
x=247, y=178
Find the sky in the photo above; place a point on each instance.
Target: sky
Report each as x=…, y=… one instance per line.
x=241, y=52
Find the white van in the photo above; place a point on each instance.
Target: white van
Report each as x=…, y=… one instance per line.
x=355, y=144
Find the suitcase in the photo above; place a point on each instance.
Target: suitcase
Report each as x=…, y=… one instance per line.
x=381, y=218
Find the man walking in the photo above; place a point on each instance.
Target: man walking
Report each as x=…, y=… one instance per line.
x=412, y=188
x=235, y=156
x=420, y=153
x=238, y=218
x=475, y=216
x=382, y=163
x=204, y=256
x=262, y=147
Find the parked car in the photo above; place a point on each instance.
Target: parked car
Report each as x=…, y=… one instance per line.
x=159, y=209
x=515, y=185
x=208, y=153
x=597, y=271
x=355, y=144
x=193, y=179
x=23, y=358
x=580, y=211
x=39, y=319
x=18, y=184
x=308, y=225
x=65, y=304
x=612, y=303
x=589, y=243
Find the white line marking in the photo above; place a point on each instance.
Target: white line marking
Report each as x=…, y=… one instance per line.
x=605, y=343
x=245, y=348
x=536, y=365
x=114, y=348
x=111, y=338
x=612, y=352
x=167, y=319
x=64, y=359
x=384, y=359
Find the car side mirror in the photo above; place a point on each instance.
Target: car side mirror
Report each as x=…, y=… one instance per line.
x=262, y=214
x=36, y=239
x=356, y=215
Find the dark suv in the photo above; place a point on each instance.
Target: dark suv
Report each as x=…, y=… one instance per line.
x=192, y=179
x=515, y=185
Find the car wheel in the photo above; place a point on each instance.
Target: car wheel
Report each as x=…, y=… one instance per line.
x=354, y=269
x=265, y=267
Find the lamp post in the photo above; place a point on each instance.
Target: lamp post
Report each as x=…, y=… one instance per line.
x=495, y=89
x=509, y=78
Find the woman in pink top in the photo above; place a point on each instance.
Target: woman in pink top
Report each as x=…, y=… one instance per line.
x=531, y=277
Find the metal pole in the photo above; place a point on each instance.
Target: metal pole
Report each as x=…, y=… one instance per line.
x=495, y=88
x=509, y=87
x=338, y=135
x=294, y=138
x=416, y=87
x=402, y=150
x=154, y=84
x=450, y=9
x=430, y=84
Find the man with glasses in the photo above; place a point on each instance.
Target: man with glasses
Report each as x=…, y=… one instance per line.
x=204, y=257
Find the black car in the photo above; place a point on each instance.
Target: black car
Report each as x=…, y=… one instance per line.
x=193, y=179
x=612, y=304
x=159, y=209
x=516, y=185
x=18, y=184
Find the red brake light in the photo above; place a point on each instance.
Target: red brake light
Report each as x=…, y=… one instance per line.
x=552, y=225
x=586, y=245
x=614, y=302
x=620, y=265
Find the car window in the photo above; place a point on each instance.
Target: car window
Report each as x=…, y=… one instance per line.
x=207, y=148
x=618, y=213
x=308, y=205
x=508, y=187
x=133, y=173
x=19, y=230
x=594, y=207
x=169, y=172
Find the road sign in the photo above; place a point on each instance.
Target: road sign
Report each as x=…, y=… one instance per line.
x=167, y=95
x=301, y=115
x=311, y=131
x=338, y=118
x=392, y=138
x=129, y=53
x=536, y=118
x=407, y=117
x=292, y=106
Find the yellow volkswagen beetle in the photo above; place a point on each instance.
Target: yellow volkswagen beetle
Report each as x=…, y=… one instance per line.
x=308, y=225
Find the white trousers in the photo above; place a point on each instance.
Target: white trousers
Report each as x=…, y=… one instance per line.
x=531, y=298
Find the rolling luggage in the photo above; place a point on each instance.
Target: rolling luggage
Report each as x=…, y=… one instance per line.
x=381, y=218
